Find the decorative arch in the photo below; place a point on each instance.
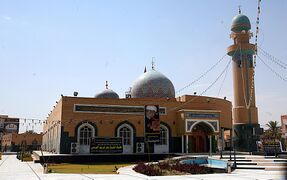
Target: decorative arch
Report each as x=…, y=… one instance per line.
x=128, y=123
x=167, y=126
x=127, y=131
x=89, y=122
x=164, y=134
x=89, y=127
x=205, y=123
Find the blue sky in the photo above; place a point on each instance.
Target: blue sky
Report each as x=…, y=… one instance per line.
x=49, y=48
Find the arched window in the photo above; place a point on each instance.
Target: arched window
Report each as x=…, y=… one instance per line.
x=163, y=140
x=85, y=132
x=125, y=133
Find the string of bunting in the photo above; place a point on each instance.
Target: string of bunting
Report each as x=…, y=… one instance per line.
x=257, y=30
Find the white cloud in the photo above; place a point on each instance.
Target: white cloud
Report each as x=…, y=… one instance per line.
x=6, y=18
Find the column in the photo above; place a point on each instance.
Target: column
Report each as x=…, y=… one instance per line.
x=186, y=143
x=210, y=145
x=182, y=144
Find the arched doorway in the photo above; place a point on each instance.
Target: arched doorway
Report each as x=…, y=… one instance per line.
x=125, y=131
x=198, y=140
x=163, y=145
x=85, y=133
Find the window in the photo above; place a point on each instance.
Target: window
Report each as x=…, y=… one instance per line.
x=125, y=133
x=163, y=136
x=85, y=135
x=34, y=142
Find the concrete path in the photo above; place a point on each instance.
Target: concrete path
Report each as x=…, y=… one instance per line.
x=13, y=169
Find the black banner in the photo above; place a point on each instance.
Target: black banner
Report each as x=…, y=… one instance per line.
x=113, y=109
x=106, y=145
x=152, y=123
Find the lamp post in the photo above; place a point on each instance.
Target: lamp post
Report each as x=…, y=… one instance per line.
x=234, y=158
x=234, y=152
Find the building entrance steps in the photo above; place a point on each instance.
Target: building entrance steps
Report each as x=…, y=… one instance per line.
x=258, y=162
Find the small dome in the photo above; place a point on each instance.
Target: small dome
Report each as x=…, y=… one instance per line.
x=107, y=93
x=240, y=23
x=152, y=84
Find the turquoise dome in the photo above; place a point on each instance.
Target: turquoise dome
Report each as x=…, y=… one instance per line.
x=152, y=84
x=240, y=23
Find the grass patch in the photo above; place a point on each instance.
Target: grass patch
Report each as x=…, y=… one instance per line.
x=27, y=158
x=99, y=168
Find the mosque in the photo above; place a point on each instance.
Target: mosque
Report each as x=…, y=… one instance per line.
x=106, y=123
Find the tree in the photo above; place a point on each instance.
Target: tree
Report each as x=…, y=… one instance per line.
x=274, y=129
x=273, y=133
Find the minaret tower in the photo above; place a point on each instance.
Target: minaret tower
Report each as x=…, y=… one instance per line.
x=245, y=116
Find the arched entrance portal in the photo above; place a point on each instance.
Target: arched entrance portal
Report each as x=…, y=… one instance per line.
x=198, y=140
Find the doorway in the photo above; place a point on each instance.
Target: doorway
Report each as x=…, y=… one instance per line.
x=198, y=141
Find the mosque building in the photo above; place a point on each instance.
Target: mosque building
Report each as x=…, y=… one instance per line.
x=188, y=123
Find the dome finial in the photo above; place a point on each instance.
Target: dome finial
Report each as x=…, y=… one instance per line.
x=239, y=9
x=107, y=85
x=144, y=69
x=152, y=63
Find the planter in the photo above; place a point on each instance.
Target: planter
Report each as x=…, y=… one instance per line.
x=271, y=150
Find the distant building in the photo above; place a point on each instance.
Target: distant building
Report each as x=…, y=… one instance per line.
x=284, y=128
x=15, y=142
x=8, y=125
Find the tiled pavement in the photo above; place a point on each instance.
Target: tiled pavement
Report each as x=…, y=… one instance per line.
x=13, y=169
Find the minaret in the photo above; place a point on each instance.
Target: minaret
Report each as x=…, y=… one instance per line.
x=245, y=116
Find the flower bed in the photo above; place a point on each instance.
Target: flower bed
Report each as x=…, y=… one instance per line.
x=166, y=168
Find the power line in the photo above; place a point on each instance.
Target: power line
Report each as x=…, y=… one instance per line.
x=272, y=70
x=226, y=72
x=273, y=59
x=200, y=77
x=209, y=87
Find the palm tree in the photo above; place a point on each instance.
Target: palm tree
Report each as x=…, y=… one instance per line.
x=274, y=130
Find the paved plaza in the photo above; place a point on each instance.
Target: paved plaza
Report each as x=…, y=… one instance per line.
x=13, y=169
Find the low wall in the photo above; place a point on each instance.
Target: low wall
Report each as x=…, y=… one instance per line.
x=97, y=158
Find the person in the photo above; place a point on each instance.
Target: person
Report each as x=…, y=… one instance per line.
x=152, y=119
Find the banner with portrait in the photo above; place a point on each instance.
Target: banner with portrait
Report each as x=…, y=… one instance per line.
x=152, y=123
